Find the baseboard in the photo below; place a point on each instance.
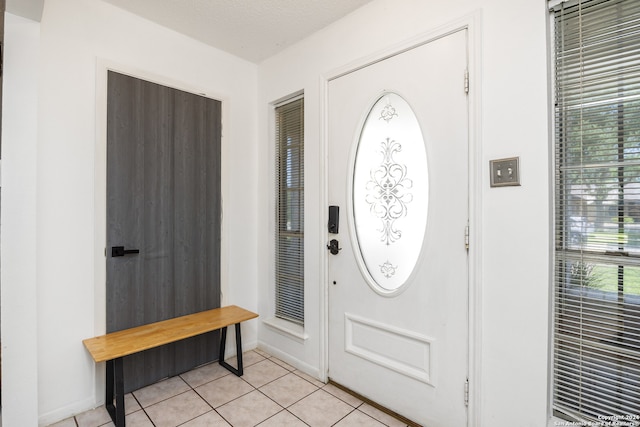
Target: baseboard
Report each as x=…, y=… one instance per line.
x=67, y=411
x=296, y=363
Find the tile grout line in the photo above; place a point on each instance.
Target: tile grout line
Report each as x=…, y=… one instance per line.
x=143, y=409
x=375, y=405
x=288, y=369
x=345, y=416
x=210, y=405
x=258, y=389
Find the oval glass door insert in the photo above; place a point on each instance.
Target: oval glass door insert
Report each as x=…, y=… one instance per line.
x=390, y=194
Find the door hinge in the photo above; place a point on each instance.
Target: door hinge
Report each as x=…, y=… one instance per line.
x=466, y=392
x=466, y=81
x=466, y=237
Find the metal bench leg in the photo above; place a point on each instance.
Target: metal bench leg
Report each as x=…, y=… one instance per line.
x=223, y=342
x=115, y=388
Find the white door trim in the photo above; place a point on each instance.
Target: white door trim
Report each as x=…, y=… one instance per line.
x=472, y=23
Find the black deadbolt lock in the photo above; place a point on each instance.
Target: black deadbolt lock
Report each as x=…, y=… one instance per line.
x=334, y=219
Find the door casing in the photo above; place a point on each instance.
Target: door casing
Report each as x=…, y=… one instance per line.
x=472, y=23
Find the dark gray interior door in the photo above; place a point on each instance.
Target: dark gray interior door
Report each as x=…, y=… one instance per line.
x=163, y=199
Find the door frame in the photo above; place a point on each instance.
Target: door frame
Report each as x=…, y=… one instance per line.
x=103, y=66
x=472, y=23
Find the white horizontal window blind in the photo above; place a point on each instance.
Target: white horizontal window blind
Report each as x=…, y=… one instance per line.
x=596, y=348
x=290, y=211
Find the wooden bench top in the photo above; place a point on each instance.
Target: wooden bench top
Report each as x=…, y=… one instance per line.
x=130, y=341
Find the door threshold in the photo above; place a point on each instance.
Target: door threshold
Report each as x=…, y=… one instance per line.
x=379, y=407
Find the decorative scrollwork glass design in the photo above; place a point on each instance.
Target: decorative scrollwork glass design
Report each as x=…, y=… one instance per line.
x=390, y=193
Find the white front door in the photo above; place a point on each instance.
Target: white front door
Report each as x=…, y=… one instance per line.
x=398, y=288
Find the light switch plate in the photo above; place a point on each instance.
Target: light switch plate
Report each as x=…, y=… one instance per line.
x=505, y=172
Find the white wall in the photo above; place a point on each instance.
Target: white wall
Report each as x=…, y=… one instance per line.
x=62, y=264
x=18, y=223
x=51, y=262
x=511, y=247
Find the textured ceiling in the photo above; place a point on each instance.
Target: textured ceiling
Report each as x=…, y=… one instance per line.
x=251, y=29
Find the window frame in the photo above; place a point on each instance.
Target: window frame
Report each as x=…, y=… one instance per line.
x=565, y=250
x=288, y=275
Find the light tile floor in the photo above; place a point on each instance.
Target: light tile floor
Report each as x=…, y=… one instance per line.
x=271, y=393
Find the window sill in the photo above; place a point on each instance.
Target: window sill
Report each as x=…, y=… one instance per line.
x=287, y=328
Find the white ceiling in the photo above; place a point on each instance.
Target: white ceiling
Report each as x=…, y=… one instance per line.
x=31, y=9
x=251, y=29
